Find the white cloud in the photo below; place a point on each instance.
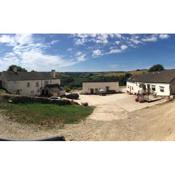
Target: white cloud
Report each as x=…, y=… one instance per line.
x=80, y=56
x=30, y=54
x=117, y=42
x=7, y=39
x=118, y=35
x=35, y=59
x=123, y=47
x=80, y=41
x=114, y=50
x=152, y=38
x=135, y=40
x=163, y=36
x=102, y=38
x=78, y=53
x=97, y=52
x=120, y=49
x=54, y=42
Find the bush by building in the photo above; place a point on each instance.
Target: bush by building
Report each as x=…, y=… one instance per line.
x=73, y=96
x=26, y=99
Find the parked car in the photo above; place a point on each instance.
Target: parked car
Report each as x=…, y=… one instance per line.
x=73, y=96
x=102, y=92
x=55, y=98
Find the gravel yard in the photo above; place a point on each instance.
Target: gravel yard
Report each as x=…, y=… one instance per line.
x=116, y=117
x=115, y=106
x=153, y=123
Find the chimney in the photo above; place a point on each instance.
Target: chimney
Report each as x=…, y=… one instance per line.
x=53, y=74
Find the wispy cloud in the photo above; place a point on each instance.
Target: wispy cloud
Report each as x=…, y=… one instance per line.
x=151, y=38
x=105, y=44
x=33, y=53
x=29, y=53
x=164, y=36
x=97, y=52
x=80, y=56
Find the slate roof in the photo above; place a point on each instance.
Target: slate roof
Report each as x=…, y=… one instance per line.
x=100, y=81
x=20, y=76
x=165, y=76
x=54, y=86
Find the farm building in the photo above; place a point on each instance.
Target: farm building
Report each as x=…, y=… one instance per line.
x=30, y=83
x=97, y=87
x=159, y=83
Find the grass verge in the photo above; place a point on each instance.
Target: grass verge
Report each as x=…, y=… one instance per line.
x=45, y=114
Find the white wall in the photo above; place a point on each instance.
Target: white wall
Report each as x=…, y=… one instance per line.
x=134, y=88
x=13, y=86
x=100, y=85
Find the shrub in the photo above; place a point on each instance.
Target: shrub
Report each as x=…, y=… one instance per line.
x=67, y=89
x=111, y=92
x=84, y=104
x=74, y=96
x=27, y=100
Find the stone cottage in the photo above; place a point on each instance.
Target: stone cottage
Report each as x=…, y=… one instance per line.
x=28, y=83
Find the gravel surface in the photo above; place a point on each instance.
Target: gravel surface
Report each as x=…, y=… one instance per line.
x=116, y=117
x=153, y=123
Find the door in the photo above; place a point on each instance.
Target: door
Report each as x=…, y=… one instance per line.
x=92, y=91
x=107, y=88
x=148, y=88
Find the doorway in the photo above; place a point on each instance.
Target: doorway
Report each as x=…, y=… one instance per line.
x=92, y=91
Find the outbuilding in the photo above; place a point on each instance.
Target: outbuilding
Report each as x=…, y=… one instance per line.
x=98, y=87
x=159, y=83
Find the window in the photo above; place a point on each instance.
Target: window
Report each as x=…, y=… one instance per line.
x=18, y=91
x=96, y=90
x=37, y=84
x=46, y=82
x=161, y=88
x=28, y=84
x=153, y=87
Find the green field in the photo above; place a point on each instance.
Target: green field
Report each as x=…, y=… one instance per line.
x=74, y=80
x=45, y=114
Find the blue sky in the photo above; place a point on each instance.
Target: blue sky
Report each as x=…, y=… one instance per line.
x=86, y=52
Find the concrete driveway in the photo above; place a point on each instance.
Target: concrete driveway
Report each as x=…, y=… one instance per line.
x=115, y=106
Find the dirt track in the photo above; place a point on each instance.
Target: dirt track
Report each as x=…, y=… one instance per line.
x=153, y=123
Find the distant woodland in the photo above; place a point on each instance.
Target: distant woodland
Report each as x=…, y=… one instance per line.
x=73, y=80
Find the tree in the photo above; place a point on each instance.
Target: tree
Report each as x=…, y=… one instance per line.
x=18, y=68
x=156, y=67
